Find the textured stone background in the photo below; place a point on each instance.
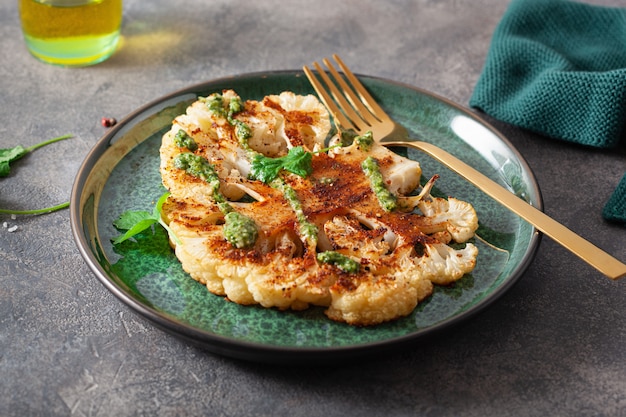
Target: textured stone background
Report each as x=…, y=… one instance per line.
x=553, y=345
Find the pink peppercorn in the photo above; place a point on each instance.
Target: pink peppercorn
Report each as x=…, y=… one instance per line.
x=108, y=121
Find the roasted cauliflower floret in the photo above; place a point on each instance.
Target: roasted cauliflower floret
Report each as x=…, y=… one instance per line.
x=284, y=121
x=443, y=265
x=348, y=236
x=312, y=234
x=454, y=216
x=304, y=119
x=402, y=175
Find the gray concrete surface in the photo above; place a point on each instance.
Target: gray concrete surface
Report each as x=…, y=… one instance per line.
x=552, y=346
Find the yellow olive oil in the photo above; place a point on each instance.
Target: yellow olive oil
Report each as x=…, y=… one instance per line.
x=71, y=32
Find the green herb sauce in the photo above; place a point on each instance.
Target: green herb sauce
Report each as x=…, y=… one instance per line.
x=183, y=140
x=235, y=105
x=199, y=167
x=215, y=104
x=387, y=200
x=347, y=137
x=365, y=141
x=340, y=261
x=239, y=230
x=307, y=229
x=242, y=131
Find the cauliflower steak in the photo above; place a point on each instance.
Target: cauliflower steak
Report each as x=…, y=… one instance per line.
x=261, y=213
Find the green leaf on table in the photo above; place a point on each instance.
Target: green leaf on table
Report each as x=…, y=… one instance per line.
x=9, y=155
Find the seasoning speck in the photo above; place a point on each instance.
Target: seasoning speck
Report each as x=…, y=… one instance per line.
x=5, y=225
x=108, y=121
x=13, y=217
x=12, y=229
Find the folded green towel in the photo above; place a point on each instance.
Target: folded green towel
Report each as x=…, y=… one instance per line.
x=615, y=208
x=558, y=68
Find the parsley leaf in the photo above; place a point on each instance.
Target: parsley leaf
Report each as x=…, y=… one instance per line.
x=136, y=221
x=297, y=161
x=9, y=155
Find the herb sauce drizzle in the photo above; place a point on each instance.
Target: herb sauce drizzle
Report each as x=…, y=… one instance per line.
x=371, y=169
x=239, y=230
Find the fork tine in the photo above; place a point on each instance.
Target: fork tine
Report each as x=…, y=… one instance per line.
x=356, y=101
x=341, y=99
x=340, y=118
x=365, y=96
x=351, y=104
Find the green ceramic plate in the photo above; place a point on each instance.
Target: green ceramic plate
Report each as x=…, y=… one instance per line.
x=121, y=173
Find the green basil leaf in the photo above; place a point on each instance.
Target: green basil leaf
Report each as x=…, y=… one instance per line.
x=135, y=229
x=129, y=218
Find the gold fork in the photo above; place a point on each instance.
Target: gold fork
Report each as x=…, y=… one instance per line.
x=352, y=107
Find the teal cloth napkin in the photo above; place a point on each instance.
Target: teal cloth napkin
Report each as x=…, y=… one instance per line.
x=615, y=208
x=558, y=68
